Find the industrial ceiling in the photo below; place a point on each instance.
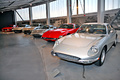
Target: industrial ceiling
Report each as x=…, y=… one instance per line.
x=7, y=5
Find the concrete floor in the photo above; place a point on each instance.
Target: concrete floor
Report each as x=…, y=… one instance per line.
x=20, y=59
x=25, y=58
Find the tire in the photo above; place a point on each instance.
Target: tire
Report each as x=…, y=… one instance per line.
x=115, y=42
x=68, y=34
x=36, y=36
x=29, y=33
x=102, y=58
x=15, y=31
x=25, y=32
x=20, y=31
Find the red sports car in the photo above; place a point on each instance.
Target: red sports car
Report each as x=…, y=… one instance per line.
x=8, y=29
x=63, y=30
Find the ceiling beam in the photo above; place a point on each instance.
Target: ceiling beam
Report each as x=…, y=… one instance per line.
x=24, y=5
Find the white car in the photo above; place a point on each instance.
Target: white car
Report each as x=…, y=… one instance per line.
x=88, y=45
x=19, y=29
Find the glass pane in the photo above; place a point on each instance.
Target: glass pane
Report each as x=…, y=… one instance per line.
x=112, y=4
x=80, y=6
x=58, y=8
x=74, y=7
x=24, y=13
x=67, y=26
x=92, y=29
x=90, y=6
x=39, y=12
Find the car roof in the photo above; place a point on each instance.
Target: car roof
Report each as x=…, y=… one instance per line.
x=98, y=23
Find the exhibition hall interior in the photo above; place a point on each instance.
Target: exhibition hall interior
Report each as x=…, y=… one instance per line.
x=59, y=39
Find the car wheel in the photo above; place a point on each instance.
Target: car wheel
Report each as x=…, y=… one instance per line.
x=25, y=33
x=20, y=31
x=115, y=42
x=35, y=36
x=15, y=31
x=29, y=33
x=102, y=58
x=68, y=34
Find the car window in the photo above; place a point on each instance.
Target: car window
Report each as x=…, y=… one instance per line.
x=92, y=29
x=51, y=27
x=109, y=28
x=27, y=25
x=77, y=26
x=44, y=27
x=67, y=26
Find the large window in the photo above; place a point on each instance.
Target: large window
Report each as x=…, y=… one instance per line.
x=112, y=4
x=90, y=6
x=39, y=12
x=80, y=6
x=58, y=8
x=74, y=7
x=24, y=13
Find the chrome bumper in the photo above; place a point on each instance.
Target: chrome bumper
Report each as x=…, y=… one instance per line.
x=75, y=59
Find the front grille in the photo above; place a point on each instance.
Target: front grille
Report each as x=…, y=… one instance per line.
x=67, y=57
x=4, y=29
x=50, y=38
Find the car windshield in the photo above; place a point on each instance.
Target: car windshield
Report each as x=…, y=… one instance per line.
x=92, y=29
x=67, y=26
x=27, y=25
x=44, y=27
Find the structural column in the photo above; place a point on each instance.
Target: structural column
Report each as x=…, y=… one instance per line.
x=69, y=11
x=48, y=12
x=77, y=6
x=101, y=10
x=30, y=15
x=15, y=17
x=84, y=7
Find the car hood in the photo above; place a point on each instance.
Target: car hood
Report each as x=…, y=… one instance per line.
x=38, y=30
x=55, y=33
x=18, y=28
x=78, y=44
x=28, y=28
x=7, y=28
x=82, y=40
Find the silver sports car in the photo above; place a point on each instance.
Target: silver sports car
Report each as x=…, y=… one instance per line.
x=88, y=45
x=41, y=30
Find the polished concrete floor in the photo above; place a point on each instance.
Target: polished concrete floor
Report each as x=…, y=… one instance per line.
x=25, y=58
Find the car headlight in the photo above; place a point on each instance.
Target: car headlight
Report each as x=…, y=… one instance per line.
x=56, y=42
x=93, y=51
x=60, y=36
